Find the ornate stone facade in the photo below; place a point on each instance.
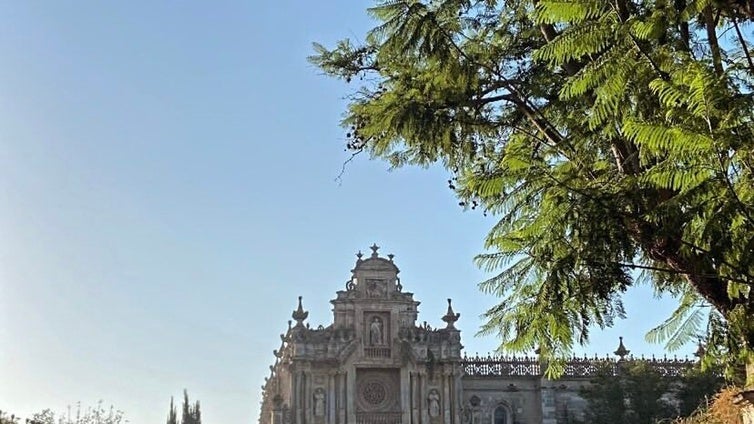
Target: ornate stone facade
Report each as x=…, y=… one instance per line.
x=375, y=365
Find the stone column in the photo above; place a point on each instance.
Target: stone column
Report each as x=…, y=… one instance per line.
x=330, y=404
x=455, y=395
x=405, y=395
x=305, y=413
x=350, y=389
x=296, y=398
x=341, y=393
x=424, y=416
x=415, y=399
x=446, y=396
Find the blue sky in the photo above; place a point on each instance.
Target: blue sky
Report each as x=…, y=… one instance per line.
x=167, y=190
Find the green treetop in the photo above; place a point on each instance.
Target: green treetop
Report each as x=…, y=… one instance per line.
x=607, y=136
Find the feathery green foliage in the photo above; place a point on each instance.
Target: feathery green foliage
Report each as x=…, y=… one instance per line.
x=606, y=136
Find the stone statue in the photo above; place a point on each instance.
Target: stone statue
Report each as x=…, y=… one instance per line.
x=319, y=403
x=375, y=289
x=434, y=403
x=475, y=416
x=375, y=332
x=466, y=415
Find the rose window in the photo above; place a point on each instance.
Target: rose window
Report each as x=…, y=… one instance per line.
x=374, y=392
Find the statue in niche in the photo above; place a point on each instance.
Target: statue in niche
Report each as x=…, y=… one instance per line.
x=434, y=403
x=466, y=415
x=476, y=416
x=319, y=403
x=375, y=332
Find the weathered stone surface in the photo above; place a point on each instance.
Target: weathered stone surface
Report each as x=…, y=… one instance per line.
x=375, y=365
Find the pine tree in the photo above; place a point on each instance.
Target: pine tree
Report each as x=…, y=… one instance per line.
x=606, y=136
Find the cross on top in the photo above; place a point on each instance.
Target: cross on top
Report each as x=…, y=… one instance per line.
x=374, y=248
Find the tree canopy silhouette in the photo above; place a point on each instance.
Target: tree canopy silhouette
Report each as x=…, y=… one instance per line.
x=607, y=136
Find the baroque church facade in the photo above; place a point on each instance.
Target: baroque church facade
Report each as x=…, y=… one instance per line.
x=375, y=365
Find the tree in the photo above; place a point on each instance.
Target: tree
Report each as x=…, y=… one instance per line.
x=172, y=413
x=608, y=137
x=6, y=418
x=697, y=388
x=637, y=395
x=91, y=415
x=191, y=413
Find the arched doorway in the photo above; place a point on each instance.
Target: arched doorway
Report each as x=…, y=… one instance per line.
x=501, y=415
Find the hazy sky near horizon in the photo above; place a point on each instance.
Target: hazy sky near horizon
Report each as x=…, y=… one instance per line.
x=167, y=183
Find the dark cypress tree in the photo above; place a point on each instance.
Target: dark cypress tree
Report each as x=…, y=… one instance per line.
x=197, y=413
x=172, y=413
x=187, y=417
x=191, y=413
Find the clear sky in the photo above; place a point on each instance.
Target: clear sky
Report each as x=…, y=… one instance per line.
x=167, y=190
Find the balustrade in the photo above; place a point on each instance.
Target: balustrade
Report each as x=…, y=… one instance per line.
x=377, y=352
x=378, y=418
x=574, y=367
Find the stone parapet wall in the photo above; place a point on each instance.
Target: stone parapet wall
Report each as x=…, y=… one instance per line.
x=495, y=366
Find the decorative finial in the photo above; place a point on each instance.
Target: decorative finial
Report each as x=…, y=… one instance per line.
x=374, y=248
x=390, y=256
x=621, y=351
x=359, y=255
x=450, y=317
x=299, y=314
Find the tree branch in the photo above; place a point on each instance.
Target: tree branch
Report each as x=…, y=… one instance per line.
x=709, y=26
x=743, y=45
x=339, y=178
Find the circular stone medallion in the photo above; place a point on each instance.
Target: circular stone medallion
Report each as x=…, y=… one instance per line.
x=374, y=393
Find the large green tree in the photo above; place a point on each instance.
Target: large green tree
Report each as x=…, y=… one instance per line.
x=608, y=137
